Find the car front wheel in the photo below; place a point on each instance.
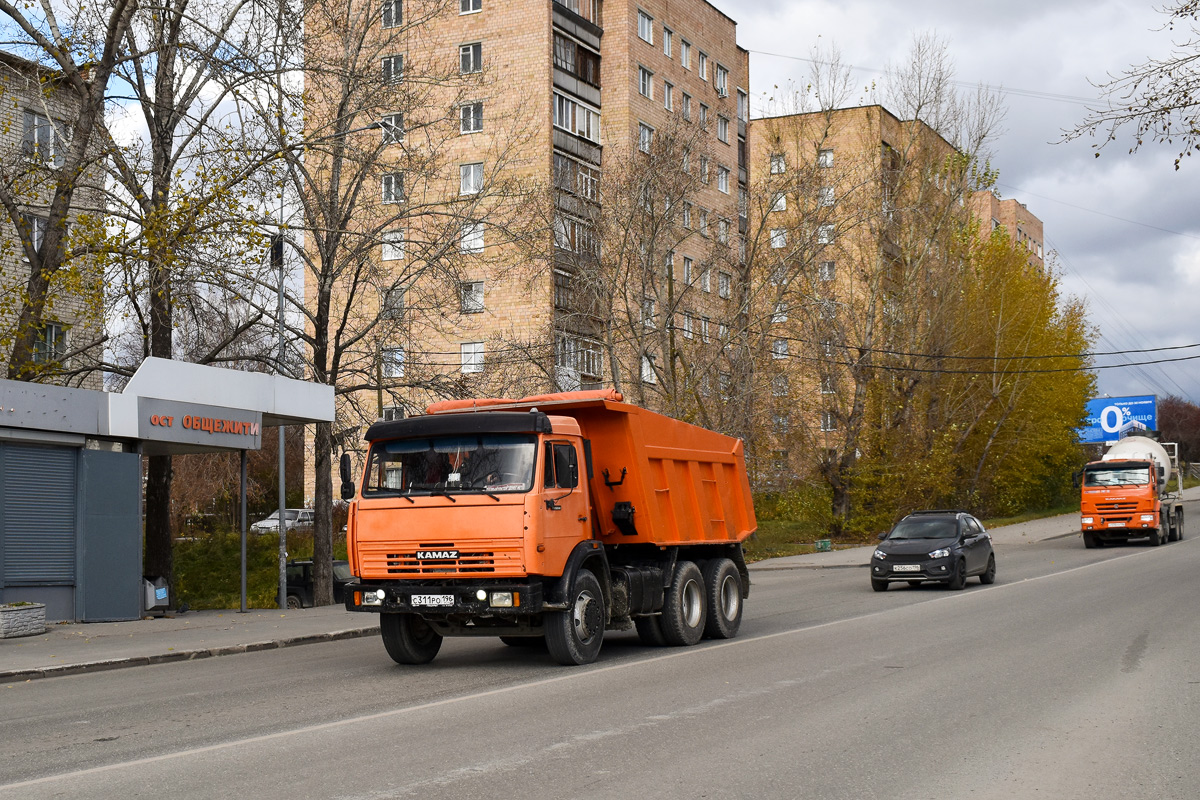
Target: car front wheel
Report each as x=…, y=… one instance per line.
x=879, y=585
x=959, y=579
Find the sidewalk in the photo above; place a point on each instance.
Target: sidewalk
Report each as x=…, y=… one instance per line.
x=70, y=648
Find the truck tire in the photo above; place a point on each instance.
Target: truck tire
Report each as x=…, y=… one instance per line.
x=1157, y=537
x=574, y=636
x=1179, y=526
x=684, y=612
x=723, y=585
x=409, y=639
x=649, y=630
x=1090, y=541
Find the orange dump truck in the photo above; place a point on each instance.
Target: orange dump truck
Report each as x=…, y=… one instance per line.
x=557, y=517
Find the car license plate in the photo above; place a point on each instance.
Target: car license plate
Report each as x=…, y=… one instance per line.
x=433, y=599
x=906, y=568
x=1116, y=524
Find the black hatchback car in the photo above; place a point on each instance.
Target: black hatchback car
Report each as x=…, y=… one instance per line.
x=940, y=546
x=300, y=582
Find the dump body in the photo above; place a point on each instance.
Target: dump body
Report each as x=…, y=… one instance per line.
x=1127, y=495
x=494, y=517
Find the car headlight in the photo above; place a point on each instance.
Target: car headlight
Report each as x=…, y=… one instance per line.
x=880, y=555
x=943, y=553
x=1086, y=520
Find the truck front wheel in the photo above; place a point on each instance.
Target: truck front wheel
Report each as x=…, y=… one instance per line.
x=723, y=585
x=574, y=636
x=1157, y=537
x=409, y=639
x=684, y=612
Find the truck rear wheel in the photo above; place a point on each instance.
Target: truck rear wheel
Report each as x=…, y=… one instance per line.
x=1179, y=525
x=723, y=585
x=574, y=636
x=409, y=639
x=683, y=615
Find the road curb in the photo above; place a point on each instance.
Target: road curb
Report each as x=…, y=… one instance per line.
x=781, y=567
x=183, y=655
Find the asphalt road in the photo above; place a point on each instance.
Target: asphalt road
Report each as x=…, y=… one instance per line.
x=1077, y=675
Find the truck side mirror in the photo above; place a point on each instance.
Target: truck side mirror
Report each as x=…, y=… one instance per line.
x=1077, y=478
x=347, y=480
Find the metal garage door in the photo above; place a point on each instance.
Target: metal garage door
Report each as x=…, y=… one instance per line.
x=37, y=514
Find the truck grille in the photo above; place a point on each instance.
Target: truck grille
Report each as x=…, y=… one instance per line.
x=1103, y=507
x=483, y=557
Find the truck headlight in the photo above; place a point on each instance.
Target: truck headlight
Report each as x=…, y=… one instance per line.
x=373, y=598
x=1086, y=520
x=880, y=555
x=1147, y=518
x=501, y=600
x=943, y=553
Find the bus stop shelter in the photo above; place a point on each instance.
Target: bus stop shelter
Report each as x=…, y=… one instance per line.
x=70, y=472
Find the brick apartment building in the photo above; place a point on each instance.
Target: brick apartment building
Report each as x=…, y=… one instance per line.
x=1014, y=217
x=32, y=127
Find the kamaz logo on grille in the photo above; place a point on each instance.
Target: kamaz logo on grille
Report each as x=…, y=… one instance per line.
x=425, y=555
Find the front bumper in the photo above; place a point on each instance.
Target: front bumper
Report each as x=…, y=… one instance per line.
x=934, y=569
x=1125, y=526
x=398, y=598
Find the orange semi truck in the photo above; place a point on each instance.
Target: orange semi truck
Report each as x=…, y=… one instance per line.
x=558, y=516
x=1126, y=495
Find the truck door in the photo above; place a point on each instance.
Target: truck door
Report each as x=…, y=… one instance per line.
x=566, y=500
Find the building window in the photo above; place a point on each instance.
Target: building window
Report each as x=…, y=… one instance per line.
x=393, y=245
x=688, y=271
x=779, y=313
x=668, y=41
x=703, y=226
x=687, y=215
x=571, y=57
x=722, y=81
x=392, y=13
x=779, y=203
x=648, y=312
x=645, y=27
x=826, y=270
x=470, y=117
x=722, y=230
x=391, y=413
x=703, y=116
x=471, y=354
x=689, y=324
x=579, y=179
x=827, y=348
x=576, y=118
x=50, y=346
x=393, y=187
x=780, y=423
x=723, y=179
x=392, y=126
x=723, y=332
x=393, y=69
x=704, y=323
x=645, y=137
x=685, y=53
x=778, y=165
x=469, y=6
x=575, y=236
x=704, y=170
x=470, y=58
x=42, y=140
x=393, y=302
x=825, y=158
x=779, y=386
x=743, y=106
x=828, y=421
x=668, y=96
x=825, y=233
x=645, y=83
x=779, y=237
x=37, y=229
x=648, y=373
x=706, y=279
x=723, y=129
x=702, y=65
x=472, y=238
x=825, y=196
x=470, y=178
x=724, y=285
x=779, y=349
x=827, y=385
x=471, y=294
x=393, y=362
x=687, y=106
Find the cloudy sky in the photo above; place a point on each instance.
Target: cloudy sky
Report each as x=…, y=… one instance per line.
x=1124, y=228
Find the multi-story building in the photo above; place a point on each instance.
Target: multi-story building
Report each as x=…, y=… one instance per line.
x=33, y=125
x=1013, y=216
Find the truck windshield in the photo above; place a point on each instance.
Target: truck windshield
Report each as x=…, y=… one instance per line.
x=1138, y=476
x=473, y=464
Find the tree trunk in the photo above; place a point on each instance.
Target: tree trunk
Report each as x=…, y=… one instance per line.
x=159, y=560
x=323, y=516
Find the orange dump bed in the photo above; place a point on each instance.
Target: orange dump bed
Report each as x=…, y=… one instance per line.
x=655, y=479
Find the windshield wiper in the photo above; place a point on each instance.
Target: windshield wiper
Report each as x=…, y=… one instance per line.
x=441, y=493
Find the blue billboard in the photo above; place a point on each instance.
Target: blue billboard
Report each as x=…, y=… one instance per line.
x=1109, y=417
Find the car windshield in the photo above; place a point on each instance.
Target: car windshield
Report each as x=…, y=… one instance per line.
x=473, y=464
x=1138, y=476
x=288, y=513
x=937, y=528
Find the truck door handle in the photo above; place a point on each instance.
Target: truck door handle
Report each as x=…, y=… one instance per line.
x=583, y=519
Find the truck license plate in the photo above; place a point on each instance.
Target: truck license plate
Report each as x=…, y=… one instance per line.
x=433, y=599
x=906, y=568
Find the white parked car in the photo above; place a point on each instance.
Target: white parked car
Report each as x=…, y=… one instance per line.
x=295, y=519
